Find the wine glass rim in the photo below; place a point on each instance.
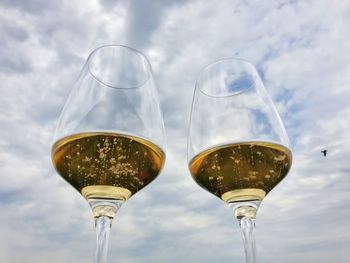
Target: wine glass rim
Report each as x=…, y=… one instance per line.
x=149, y=72
x=203, y=69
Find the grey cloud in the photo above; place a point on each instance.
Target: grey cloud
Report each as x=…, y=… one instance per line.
x=13, y=32
x=11, y=64
x=71, y=34
x=68, y=58
x=145, y=17
x=12, y=56
x=110, y=4
x=35, y=7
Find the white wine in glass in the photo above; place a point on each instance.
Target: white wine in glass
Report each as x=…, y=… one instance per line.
x=241, y=171
x=238, y=149
x=110, y=139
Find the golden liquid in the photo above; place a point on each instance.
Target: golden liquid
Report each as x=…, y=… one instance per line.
x=107, y=165
x=244, y=171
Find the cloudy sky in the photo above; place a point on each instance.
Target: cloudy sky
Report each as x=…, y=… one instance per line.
x=301, y=49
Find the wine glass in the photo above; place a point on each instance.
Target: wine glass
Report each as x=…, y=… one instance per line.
x=238, y=148
x=110, y=138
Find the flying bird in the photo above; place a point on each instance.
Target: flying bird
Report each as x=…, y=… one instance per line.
x=324, y=153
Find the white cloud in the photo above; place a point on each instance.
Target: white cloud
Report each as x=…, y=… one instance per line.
x=300, y=48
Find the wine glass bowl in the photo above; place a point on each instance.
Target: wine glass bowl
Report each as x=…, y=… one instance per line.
x=119, y=73
x=238, y=148
x=230, y=104
x=110, y=138
x=115, y=91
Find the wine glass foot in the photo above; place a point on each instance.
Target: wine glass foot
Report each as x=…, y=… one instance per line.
x=103, y=207
x=245, y=209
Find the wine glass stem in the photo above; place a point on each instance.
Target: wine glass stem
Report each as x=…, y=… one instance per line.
x=103, y=226
x=247, y=225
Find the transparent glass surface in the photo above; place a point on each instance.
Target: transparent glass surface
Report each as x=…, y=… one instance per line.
x=114, y=92
x=110, y=139
x=230, y=104
x=238, y=148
